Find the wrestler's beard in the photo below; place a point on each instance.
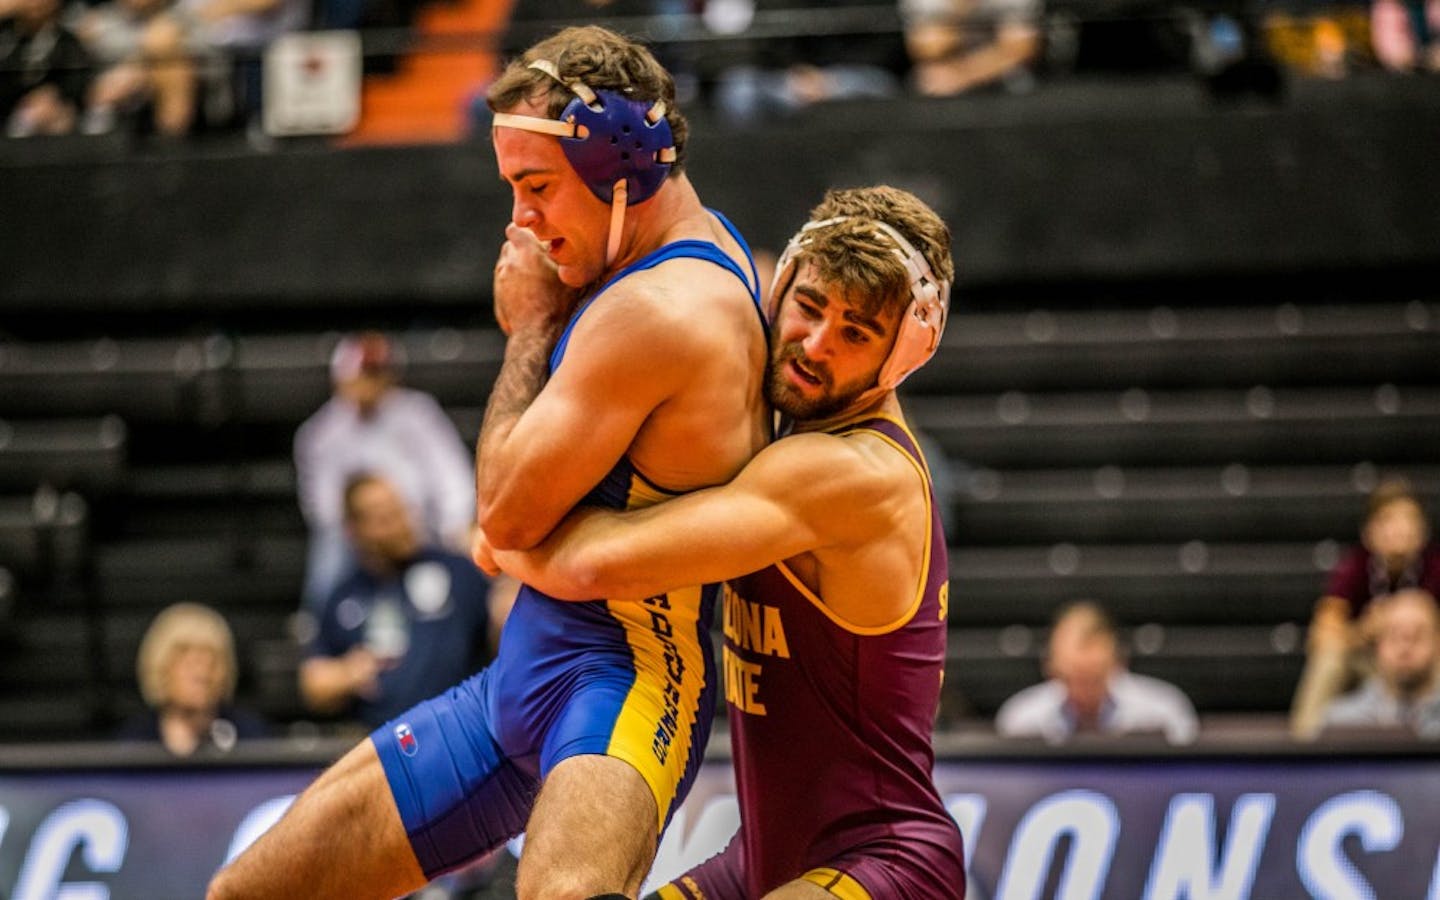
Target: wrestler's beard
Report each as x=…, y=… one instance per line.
x=798, y=407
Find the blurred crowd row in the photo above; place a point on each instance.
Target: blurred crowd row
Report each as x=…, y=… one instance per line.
x=172, y=67
x=394, y=612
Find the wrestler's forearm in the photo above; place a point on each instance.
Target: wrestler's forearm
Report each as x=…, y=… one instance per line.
x=522, y=375
x=702, y=537
x=567, y=565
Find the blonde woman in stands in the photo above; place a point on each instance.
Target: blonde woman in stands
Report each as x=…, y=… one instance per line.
x=187, y=672
x=1395, y=553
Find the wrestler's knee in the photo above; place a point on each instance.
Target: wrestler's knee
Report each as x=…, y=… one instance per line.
x=570, y=885
x=566, y=876
x=222, y=886
x=579, y=872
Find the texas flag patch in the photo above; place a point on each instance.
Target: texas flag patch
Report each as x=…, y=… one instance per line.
x=406, y=737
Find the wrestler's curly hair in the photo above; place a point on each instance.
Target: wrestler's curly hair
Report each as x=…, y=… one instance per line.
x=853, y=254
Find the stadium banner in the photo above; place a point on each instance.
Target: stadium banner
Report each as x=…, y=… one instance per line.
x=1036, y=825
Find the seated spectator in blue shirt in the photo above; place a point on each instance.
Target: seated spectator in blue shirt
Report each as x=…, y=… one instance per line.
x=407, y=622
x=1091, y=691
x=1404, y=692
x=187, y=672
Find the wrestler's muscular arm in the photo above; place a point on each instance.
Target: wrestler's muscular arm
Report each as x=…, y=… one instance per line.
x=846, y=502
x=545, y=443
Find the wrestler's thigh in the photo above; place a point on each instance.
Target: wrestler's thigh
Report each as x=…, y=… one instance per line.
x=341, y=838
x=593, y=831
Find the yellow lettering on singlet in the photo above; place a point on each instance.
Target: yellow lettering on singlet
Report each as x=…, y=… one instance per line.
x=742, y=683
x=750, y=625
x=731, y=616
x=755, y=626
x=775, y=643
x=944, y=600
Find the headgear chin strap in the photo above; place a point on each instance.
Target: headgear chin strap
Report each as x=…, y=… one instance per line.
x=621, y=148
x=923, y=321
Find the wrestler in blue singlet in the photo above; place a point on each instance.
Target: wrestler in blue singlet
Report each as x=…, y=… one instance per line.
x=630, y=680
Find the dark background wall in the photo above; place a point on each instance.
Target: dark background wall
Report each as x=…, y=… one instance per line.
x=1075, y=183
x=1192, y=338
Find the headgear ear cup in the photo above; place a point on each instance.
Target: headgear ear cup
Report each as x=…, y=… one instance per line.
x=627, y=141
x=923, y=322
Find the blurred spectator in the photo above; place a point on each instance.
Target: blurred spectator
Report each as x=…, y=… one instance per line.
x=236, y=32
x=1395, y=553
x=187, y=672
x=1091, y=691
x=782, y=76
x=532, y=20
x=960, y=45
x=147, y=54
x=1406, y=34
x=651, y=21
x=245, y=25
x=1404, y=692
x=1124, y=37
x=44, y=70
x=373, y=425
x=1323, y=41
x=406, y=623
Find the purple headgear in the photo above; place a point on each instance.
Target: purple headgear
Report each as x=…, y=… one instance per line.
x=623, y=142
x=621, y=148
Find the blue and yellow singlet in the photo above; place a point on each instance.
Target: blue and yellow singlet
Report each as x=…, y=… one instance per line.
x=634, y=681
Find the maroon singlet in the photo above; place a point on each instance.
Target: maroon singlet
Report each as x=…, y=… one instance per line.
x=831, y=727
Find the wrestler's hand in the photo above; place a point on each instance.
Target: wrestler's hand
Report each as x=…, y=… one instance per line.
x=528, y=289
x=483, y=554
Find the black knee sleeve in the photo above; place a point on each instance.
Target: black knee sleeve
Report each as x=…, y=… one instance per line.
x=613, y=897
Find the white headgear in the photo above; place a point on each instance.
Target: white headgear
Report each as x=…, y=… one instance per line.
x=923, y=321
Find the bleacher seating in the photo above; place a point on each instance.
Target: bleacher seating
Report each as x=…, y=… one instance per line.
x=1223, y=669
x=1235, y=502
x=7, y=602
x=51, y=677
x=284, y=378
x=1168, y=347
x=42, y=535
x=1138, y=426
x=80, y=452
x=1195, y=469
x=139, y=378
